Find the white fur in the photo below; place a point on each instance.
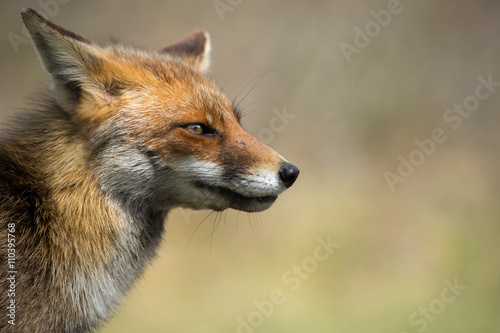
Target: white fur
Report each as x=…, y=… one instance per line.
x=96, y=291
x=205, y=64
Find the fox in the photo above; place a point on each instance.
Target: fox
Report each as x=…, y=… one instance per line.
x=88, y=175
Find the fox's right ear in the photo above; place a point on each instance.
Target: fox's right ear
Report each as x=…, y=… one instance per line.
x=67, y=56
x=193, y=49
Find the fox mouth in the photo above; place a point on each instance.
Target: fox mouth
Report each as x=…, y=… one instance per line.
x=239, y=201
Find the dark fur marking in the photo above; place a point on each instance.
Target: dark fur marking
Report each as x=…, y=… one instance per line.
x=193, y=44
x=61, y=30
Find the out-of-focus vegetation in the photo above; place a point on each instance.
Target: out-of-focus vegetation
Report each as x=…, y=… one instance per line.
x=350, y=122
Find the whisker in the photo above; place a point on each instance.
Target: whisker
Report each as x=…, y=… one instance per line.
x=212, y=233
x=250, y=222
x=225, y=224
x=194, y=232
x=237, y=225
x=258, y=78
x=226, y=82
x=246, y=111
x=259, y=221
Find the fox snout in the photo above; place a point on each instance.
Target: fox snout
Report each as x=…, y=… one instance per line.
x=257, y=192
x=210, y=185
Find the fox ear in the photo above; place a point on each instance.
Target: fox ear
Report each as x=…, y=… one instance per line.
x=193, y=49
x=67, y=56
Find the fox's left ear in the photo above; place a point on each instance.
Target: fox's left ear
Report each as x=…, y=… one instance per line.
x=193, y=49
x=71, y=59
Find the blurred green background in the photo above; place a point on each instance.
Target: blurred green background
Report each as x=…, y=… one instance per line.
x=350, y=121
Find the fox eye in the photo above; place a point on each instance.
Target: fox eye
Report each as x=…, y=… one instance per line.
x=195, y=128
x=200, y=129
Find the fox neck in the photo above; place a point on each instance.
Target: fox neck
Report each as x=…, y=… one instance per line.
x=95, y=240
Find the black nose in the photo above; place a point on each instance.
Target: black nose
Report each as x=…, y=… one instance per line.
x=288, y=173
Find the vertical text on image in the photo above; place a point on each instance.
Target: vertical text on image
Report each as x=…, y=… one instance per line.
x=11, y=273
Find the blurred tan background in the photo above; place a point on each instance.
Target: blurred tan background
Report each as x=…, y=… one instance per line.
x=421, y=255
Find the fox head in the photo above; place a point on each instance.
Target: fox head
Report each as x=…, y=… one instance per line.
x=160, y=134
